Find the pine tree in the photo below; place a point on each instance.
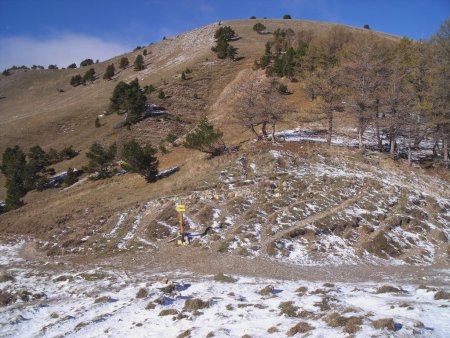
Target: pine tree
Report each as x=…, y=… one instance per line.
x=13, y=162
x=222, y=48
x=226, y=33
x=205, y=138
x=71, y=177
x=89, y=75
x=15, y=190
x=141, y=160
x=77, y=80
x=110, y=71
x=86, y=62
x=139, y=62
x=14, y=168
x=100, y=160
x=37, y=161
x=128, y=98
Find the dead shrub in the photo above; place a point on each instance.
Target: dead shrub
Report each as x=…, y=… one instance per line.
x=142, y=293
x=288, y=309
x=267, y=290
x=195, y=304
x=302, y=289
x=220, y=277
x=103, y=299
x=384, y=323
x=6, y=298
x=168, y=312
x=388, y=289
x=301, y=327
x=6, y=277
x=442, y=295
x=272, y=329
x=150, y=306
x=336, y=320
x=185, y=334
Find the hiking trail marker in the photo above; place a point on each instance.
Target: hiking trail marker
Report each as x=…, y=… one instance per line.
x=181, y=208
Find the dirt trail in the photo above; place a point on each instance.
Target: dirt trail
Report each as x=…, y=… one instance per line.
x=170, y=259
x=310, y=219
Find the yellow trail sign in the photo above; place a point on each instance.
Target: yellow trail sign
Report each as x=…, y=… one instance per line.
x=180, y=208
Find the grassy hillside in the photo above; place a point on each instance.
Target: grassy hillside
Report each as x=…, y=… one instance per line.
x=34, y=110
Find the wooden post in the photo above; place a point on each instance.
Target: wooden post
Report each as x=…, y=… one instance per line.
x=181, y=208
x=181, y=225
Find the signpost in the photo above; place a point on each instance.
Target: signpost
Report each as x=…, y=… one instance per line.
x=181, y=208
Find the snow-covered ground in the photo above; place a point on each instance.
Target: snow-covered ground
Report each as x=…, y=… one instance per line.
x=349, y=139
x=55, y=300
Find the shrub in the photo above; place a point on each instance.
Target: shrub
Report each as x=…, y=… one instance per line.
x=67, y=153
x=52, y=67
x=6, y=72
x=144, y=52
x=162, y=148
x=161, y=94
x=171, y=138
x=72, y=66
x=97, y=122
x=124, y=62
x=150, y=89
x=259, y=27
x=366, y=26
x=283, y=89
x=287, y=16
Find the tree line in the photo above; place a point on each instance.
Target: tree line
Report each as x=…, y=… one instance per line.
x=399, y=88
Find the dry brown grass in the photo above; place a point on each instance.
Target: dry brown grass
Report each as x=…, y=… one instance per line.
x=53, y=119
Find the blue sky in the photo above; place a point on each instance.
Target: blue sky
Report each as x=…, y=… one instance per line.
x=62, y=31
